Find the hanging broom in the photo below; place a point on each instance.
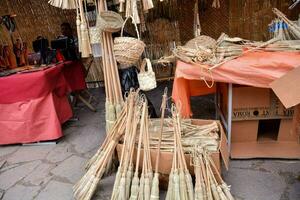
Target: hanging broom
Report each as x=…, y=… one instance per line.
x=85, y=41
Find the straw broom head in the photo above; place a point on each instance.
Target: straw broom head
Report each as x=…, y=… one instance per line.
x=134, y=188
x=85, y=45
x=155, y=187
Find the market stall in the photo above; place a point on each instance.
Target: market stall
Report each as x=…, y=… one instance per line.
x=34, y=102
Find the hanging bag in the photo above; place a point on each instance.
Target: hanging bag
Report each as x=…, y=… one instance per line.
x=147, y=80
x=95, y=31
x=128, y=50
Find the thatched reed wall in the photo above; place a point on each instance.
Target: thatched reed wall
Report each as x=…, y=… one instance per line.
x=250, y=18
x=35, y=18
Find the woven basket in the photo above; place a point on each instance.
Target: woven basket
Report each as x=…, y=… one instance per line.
x=110, y=21
x=202, y=40
x=128, y=50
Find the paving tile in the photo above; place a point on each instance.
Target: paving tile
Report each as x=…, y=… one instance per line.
x=248, y=184
x=59, y=153
x=2, y=163
x=56, y=191
x=89, y=138
x=282, y=165
x=6, y=150
x=12, y=176
x=1, y=193
x=30, y=153
x=71, y=169
x=294, y=190
x=40, y=175
x=20, y=192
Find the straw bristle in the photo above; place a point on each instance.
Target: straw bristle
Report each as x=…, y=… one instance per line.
x=155, y=187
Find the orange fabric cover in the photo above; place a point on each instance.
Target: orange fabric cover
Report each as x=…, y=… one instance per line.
x=257, y=69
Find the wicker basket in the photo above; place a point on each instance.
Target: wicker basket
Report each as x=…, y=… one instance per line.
x=128, y=50
x=110, y=21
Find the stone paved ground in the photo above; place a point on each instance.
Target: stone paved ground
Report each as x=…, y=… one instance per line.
x=48, y=172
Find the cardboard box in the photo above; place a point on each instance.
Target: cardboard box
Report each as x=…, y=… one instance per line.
x=167, y=157
x=262, y=127
x=264, y=139
x=250, y=103
x=287, y=88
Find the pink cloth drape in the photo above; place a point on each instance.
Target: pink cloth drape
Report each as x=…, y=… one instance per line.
x=34, y=105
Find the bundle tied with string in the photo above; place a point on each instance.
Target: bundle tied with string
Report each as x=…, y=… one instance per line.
x=128, y=50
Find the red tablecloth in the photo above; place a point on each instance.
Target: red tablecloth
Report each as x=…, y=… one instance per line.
x=257, y=69
x=34, y=105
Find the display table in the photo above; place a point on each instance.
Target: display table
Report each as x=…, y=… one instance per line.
x=257, y=69
x=34, y=105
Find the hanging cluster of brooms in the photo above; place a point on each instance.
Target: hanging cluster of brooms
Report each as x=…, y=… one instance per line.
x=135, y=178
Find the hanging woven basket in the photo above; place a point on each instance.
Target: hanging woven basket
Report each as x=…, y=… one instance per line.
x=128, y=50
x=110, y=21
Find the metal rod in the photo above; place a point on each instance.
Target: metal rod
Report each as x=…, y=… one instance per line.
x=229, y=115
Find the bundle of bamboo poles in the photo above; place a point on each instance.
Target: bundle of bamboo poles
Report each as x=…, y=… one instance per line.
x=114, y=99
x=209, y=183
x=180, y=181
x=126, y=123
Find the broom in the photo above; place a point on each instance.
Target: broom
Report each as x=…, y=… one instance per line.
x=199, y=184
x=87, y=185
x=155, y=183
x=107, y=140
x=223, y=185
x=121, y=186
x=85, y=41
x=148, y=164
x=187, y=190
x=78, y=22
x=188, y=177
